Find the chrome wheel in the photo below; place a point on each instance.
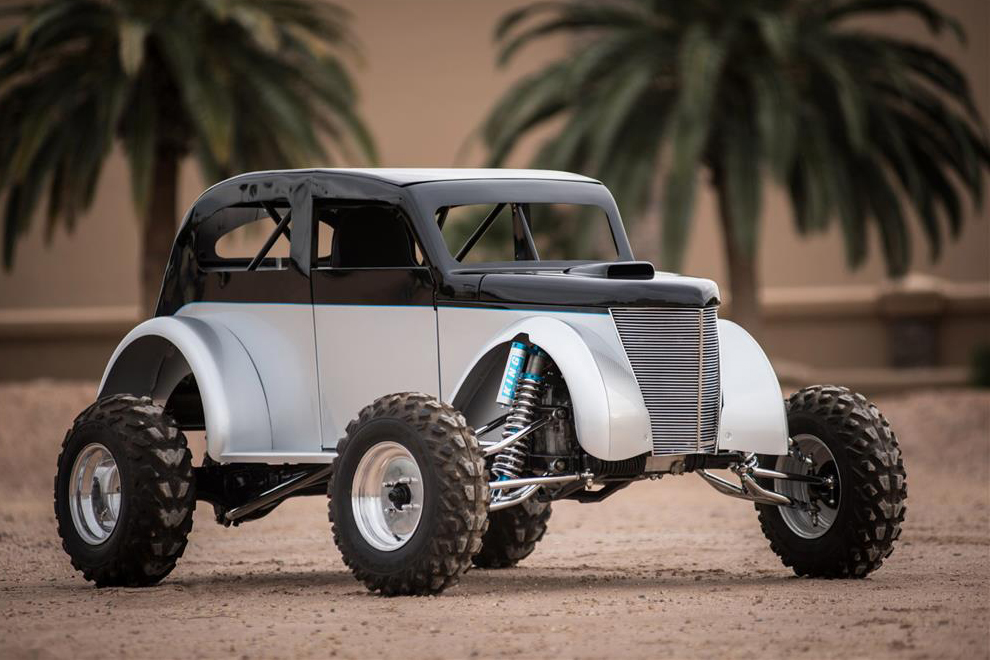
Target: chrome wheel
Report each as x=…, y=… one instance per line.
x=387, y=496
x=94, y=493
x=809, y=455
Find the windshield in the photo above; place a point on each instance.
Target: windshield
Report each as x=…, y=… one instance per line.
x=511, y=232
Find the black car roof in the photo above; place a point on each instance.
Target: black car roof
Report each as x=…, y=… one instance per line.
x=408, y=176
x=359, y=183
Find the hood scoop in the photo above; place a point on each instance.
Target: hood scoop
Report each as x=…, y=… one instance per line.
x=616, y=270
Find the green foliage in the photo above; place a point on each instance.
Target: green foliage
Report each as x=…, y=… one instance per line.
x=854, y=125
x=241, y=84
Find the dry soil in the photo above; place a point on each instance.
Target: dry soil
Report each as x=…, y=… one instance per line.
x=668, y=569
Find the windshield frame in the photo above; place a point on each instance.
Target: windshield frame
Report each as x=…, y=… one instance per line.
x=430, y=197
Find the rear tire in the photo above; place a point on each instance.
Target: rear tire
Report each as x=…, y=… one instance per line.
x=512, y=534
x=871, y=482
x=408, y=450
x=137, y=541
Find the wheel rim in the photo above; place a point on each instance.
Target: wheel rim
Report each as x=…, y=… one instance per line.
x=94, y=493
x=387, y=496
x=815, y=522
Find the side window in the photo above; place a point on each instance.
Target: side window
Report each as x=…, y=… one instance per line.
x=364, y=236
x=254, y=236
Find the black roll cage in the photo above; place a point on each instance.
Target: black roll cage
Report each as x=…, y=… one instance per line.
x=424, y=203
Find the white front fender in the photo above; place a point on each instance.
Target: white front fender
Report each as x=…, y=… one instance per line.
x=753, y=416
x=609, y=416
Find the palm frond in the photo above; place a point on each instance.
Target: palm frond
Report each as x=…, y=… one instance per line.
x=700, y=64
x=885, y=205
x=526, y=105
x=856, y=125
x=933, y=18
x=241, y=84
x=742, y=182
x=564, y=17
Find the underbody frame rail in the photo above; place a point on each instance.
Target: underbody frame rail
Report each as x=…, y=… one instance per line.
x=279, y=493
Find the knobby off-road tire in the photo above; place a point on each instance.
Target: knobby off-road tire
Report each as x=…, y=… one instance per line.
x=157, y=492
x=454, y=495
x=872, y=486
x=512, y=534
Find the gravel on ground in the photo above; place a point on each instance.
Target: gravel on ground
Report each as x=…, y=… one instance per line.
x=668, y=569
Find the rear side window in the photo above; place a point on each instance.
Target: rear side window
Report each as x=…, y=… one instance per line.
x=361, y=235
x=253, y=236
x=506, y=232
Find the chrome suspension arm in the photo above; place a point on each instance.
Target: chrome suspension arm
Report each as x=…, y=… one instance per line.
x=527, y=488
x=485, y=428
x=747, y=490
x=491, y=450
x=764, y=473
x=518, y=497
x=547, y=480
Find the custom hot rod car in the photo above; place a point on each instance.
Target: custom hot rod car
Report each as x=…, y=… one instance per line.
x=446, y=353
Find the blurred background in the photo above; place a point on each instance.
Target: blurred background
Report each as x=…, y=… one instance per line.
x=427, y=85
x=823, y=160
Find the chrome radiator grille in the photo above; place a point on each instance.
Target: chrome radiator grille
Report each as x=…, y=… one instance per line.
x=674, y=354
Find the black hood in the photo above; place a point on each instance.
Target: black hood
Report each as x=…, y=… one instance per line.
x=581, y=289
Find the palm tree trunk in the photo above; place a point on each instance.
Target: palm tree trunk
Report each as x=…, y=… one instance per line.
x=743, y=279
x=158, y=230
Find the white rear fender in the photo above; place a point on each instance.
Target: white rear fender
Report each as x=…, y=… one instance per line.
x=753, y=416
x=156, y=355
x=609, y=416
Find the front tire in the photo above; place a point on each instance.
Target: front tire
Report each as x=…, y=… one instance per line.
x=408, y=496
x=839, y=435
x=124, y=492
x=513, y=534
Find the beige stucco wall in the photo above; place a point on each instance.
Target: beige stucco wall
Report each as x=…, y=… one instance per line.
x=427, y=80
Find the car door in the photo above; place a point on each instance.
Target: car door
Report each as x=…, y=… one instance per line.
x=374, y=313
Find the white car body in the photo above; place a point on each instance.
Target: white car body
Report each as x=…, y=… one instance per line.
x=279, y=381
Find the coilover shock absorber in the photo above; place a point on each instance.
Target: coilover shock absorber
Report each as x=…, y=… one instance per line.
x=523, y=398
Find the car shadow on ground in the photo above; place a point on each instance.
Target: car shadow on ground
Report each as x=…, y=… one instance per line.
x=506, y=580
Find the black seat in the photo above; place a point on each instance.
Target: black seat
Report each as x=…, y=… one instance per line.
x=371, y=238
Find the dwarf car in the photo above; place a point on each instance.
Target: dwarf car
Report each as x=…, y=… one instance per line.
x=445, y=353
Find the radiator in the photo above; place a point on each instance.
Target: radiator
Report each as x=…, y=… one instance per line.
x=674, y=354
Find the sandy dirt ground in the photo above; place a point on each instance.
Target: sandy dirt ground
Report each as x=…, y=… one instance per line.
x=668, y=569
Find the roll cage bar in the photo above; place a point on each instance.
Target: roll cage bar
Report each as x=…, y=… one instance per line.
x=522, y=231
x=281, y=228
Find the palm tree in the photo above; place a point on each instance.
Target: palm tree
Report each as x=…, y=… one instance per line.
x=239, y=84
x=854, y=125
